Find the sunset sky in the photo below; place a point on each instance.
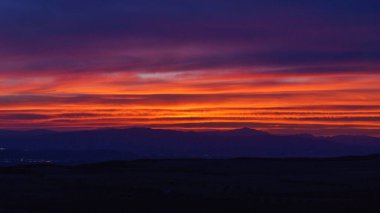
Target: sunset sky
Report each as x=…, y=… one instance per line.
x=281, y=66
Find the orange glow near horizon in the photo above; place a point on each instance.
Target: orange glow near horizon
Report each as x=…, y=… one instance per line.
x=194, y=100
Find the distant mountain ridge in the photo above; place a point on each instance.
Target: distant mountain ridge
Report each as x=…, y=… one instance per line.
x=159, y=143
x=239, y=132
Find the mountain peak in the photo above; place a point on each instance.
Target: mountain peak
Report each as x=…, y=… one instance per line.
x=245, y=131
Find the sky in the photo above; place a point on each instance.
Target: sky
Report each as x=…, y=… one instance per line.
x=282, y=66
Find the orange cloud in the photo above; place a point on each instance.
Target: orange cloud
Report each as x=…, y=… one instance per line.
x=277, y=102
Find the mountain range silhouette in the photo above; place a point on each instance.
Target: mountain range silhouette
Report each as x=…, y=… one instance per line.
x=158, y=143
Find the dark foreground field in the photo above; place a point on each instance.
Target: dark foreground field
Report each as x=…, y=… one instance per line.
x=237, y=185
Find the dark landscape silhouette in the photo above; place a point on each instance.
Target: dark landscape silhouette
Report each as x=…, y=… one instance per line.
x=346, y=184
x=151, y=170
x=141, y=143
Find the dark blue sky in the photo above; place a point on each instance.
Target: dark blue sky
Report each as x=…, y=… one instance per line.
x=256, y=32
